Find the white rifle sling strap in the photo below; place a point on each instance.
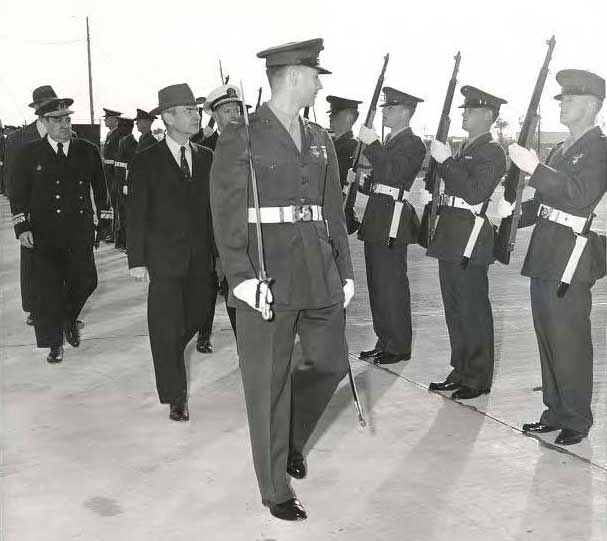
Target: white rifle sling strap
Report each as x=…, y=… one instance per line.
x=396, y=214
x=399, y=203
x=476, y=229
x=574, y=258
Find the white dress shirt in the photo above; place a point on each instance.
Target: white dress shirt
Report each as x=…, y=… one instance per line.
x=53, y=143
x=175, y=149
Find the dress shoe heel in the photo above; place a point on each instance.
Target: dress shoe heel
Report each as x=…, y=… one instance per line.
x=569, y=436
x=391, y=358
x=296, y=466
x=179, y=412
x=203, y=345
x=72, y=333
x=467, y=393
x=368, y=354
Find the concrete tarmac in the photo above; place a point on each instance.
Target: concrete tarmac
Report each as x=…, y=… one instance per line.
x=89, y=454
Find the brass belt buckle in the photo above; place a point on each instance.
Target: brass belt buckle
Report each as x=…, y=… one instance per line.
x=545, y=213
x=302, y=213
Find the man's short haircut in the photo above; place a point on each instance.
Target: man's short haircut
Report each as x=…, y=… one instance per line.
x=274, y=73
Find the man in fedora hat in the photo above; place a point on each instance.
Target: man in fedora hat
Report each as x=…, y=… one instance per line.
x=470, y=177
x=15, y=142
x=568, y=187
x=53, y=218
x=302, y=220
x=170, y=240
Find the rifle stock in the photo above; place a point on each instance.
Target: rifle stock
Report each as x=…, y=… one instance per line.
x=355, y=173
x=514, y=182
x=431, y=180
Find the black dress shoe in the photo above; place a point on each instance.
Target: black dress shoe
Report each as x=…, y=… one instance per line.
x=296, y=467
x=72, y=334
x=370, y=353
x=391, y=358
x=29, y=320
x=289, y=510
x=203, y=345
x=569, y=436
x=538, y=428
x=56, y=354
x=443, y=386
x=466, y=393
x=179, y=412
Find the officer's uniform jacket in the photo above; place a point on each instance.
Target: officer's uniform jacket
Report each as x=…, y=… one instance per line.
x=299, y=257
x=345, y=146
x=572, y=181
x=53, y=199
x=110, y=155
x=473, y=174
x=14, y=143
x=169, y=229
x=145, y=141
x=395, y=163
x=126, y=151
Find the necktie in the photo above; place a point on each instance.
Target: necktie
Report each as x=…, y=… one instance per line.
x=184, y=166
x=60, y=152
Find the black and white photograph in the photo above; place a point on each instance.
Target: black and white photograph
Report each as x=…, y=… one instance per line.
x=319, y=271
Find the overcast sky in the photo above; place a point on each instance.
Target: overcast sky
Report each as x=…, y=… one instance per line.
x=141, y=46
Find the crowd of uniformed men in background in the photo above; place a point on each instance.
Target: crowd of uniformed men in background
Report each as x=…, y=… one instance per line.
x=184, y=209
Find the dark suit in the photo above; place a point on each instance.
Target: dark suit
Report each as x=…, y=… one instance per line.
x=307, y=287
x=169, y=231
x=574, y=181
x=395, y=163
x=51, y=197
x=14, y=144
x=146, y=140
x=473, y=174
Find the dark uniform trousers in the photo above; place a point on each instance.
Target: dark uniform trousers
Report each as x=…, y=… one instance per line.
x=469, y=322
x=472, y=175
x=279, y=397
x=65, y=278
x=176, y=307
x=562, y=327
x=389, y=296
x=395, y=164
x=26, y=271
x=573, y=180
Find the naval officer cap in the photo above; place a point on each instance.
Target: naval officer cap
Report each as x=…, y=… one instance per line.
x=580, y=83
x=336, y=104
x=295, y=53
x=475, y=98
x=221, y=95
x=56, y=108
x=396, y=97
x=144, y=115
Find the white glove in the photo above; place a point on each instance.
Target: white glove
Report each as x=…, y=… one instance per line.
x=27, y=239
x=440, y=151
x=425, y=197
x=207, y=132
x=125, y=190
x=348, y=292
x=525, y=160
x=367, y=135
x=139, y=273
x=504, y=208
x=247, y=292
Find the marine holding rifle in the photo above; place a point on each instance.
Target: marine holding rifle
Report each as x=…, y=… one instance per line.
x=287, y=250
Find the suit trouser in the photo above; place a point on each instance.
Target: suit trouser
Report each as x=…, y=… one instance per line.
x=284, y=405
x=470, y=323
x=564, y=339
x=207, y=326
x=389, y=296
x=176, y=307
x=63, y=280
x=26, y=279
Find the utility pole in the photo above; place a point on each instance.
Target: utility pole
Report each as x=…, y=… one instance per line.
x=88, y=48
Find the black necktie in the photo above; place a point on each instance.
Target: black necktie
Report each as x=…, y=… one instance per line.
x=60, y=152
x=184, y=166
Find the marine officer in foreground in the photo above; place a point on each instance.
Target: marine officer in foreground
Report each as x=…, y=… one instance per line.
x=307, y=258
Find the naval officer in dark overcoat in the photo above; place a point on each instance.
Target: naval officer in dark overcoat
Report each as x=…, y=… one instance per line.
x=563, y=249
x=53, y=216
x=463, y=244
x=389, y=224
x=306, y=256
